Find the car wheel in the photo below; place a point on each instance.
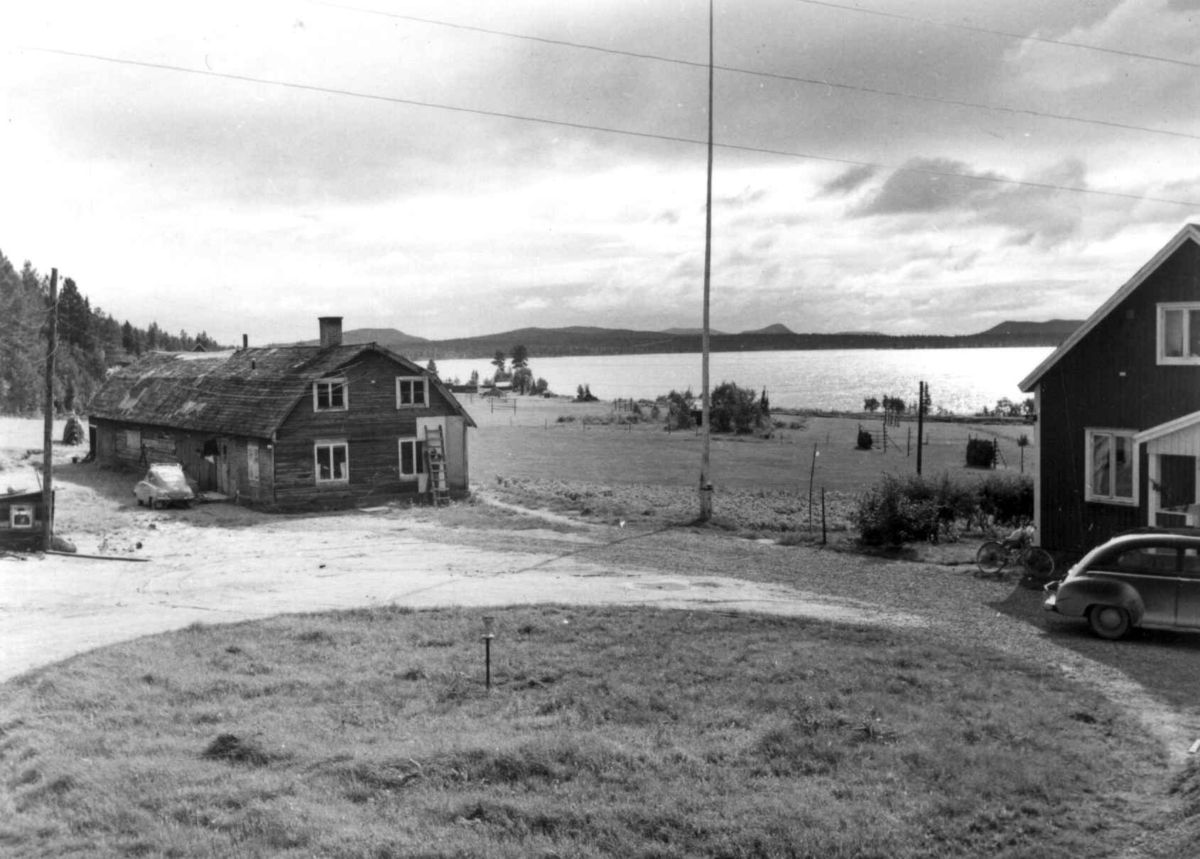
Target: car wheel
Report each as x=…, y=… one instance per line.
x=1108, y=621
x=991, y=557
x=159, y=503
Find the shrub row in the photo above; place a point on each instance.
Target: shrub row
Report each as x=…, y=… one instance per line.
x=908, y=509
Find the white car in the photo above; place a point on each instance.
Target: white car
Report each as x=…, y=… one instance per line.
x=164, y=483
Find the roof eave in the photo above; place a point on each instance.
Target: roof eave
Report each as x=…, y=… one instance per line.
x=1189, y=231
x=1163, y=429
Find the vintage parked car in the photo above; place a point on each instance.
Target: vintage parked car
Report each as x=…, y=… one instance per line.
x=1148, y=578
x=164, y=483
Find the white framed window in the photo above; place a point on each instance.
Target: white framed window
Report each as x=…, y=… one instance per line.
x=252, y=461
x=133, y=439
x=331, y=395
x=1112, y=466
x=1179, y=333
x=412, y=392
x=412, y=458
x=331, y=462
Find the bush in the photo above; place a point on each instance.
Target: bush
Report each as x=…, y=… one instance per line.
x=679, y=409
x=734, y=409
x=981, y=453
x=1006, y=499
x=893, y=513
x=584, y=394
x=907, y=509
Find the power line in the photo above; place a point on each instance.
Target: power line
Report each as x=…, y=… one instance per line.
x=822, y=82
x=1003, y=33
x=646, y=135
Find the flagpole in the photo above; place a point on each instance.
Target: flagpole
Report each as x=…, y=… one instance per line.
x=705, y=448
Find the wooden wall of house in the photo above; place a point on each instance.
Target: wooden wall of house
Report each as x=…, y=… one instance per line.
x=458, y=464
x=226, y=471
x=372, y=426
x=1111, y=379
x=131, y=445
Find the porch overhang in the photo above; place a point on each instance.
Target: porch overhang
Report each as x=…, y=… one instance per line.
x=1179, y=436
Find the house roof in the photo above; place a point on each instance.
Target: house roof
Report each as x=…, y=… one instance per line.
x=245, y=392
x=1190, y=232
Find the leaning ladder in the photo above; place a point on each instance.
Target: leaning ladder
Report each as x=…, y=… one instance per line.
x=435, y=465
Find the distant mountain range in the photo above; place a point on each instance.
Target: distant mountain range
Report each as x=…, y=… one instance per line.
x=588, y=340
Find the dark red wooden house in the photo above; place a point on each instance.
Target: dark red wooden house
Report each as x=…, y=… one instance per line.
x=328, y=424
x=1118, y=407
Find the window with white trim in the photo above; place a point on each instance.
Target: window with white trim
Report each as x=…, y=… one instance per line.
x=331, y=395
x=331, y=462
x=1179, y=333
x=252, y=461
x=412, y=458
x=1111, y=467
x=412, y=392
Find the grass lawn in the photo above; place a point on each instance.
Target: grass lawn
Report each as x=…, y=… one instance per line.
x=608, y=732
x=575, y=456
x=530, y=441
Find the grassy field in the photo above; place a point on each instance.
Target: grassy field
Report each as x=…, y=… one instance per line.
x=530, y=440
x=608, y=732
x=582, y=456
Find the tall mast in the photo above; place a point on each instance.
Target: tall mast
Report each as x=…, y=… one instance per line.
x=705, y=482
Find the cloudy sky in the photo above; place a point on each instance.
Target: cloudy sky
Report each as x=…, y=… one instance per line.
x=458, y=168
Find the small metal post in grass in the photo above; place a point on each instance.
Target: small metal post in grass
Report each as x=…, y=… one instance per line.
x=489, y=625
x=811, y=473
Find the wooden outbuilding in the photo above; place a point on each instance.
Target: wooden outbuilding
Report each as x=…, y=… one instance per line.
x=328, y=424
x=1118, y=406
x=23, y=520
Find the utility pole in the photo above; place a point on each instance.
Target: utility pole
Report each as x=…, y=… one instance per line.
x=705, y=412
x=924, y=390
x=48, y=435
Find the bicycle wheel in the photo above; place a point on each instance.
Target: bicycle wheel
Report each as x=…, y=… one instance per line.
x=1038, y=562
x=991, y=557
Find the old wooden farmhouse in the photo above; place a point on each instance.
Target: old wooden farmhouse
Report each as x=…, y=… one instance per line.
x=284, y=426
x=1118, y=408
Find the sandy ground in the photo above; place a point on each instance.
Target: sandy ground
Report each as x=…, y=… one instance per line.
x=52, y=607
x=217, y=563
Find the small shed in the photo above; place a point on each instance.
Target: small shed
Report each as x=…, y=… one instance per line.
x=23, y=520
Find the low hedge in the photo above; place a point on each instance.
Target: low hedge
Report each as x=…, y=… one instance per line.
x=908, y=509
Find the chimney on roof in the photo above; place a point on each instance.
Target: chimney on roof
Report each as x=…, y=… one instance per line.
x=331, y=331
x=245, y=341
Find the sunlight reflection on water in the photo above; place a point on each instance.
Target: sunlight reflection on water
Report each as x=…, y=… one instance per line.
x=960, y=380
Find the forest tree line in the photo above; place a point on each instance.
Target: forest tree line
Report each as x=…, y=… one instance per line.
x=90, y=341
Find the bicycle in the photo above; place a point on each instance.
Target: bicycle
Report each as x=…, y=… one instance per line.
x=994, y=555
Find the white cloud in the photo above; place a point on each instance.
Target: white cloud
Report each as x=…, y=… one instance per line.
x=225, y=205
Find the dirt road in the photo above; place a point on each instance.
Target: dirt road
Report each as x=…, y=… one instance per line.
x=52, y=607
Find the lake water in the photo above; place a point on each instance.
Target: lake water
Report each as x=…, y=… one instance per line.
x=960, y=380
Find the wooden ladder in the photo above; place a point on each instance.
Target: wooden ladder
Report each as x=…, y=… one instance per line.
x=435, y=465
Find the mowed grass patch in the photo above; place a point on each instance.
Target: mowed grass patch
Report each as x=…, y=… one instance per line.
x=608, y=732
x=646, y=454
